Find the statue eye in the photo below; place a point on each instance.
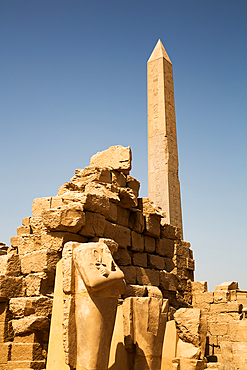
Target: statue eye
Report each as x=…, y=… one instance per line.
x=96, y=255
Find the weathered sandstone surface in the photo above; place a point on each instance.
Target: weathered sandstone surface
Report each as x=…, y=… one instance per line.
x=100, y=202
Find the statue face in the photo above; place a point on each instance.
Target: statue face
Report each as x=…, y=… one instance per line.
x=95, y=264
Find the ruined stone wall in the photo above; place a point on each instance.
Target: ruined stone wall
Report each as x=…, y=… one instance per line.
x=100, y=201
x=225, y=307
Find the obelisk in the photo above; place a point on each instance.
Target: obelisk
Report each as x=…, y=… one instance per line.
x=163, y=181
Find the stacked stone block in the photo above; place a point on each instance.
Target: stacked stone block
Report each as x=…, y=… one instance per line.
x=227, y=325
x=100, y=201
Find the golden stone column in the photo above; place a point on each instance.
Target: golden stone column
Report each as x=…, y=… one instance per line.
x=163, y=182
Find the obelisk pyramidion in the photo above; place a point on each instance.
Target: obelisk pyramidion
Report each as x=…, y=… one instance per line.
x=163, y=181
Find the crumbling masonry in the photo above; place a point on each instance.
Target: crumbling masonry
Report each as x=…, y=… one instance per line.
x=100, y=201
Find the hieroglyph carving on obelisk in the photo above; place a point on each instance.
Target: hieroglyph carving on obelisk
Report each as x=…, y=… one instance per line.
x=163, y=182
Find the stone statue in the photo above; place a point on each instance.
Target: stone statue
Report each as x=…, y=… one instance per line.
x=96, y=285
x=144, y=328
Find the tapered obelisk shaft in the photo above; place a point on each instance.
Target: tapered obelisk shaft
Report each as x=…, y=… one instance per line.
x=163, y=182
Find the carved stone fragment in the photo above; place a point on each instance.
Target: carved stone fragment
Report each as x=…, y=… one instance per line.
x=117, y=157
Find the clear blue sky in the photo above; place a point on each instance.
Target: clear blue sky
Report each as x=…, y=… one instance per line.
x=73, y=82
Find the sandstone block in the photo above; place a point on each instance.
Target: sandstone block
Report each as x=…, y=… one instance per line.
x=26, y=352
x=232, y=285
x=122, y=257
x=28, y=244
x=241, y=296
x=133, y=184
x=154, y=292
x=218, y=328
x=23, y=230
x=123, y=216
x=42, y=306
x=110, y=230
x=15, y=241
x=238, y=331
x=5, y=349
x=91, y=174
x=187, y=350
x=25, y=306
x=30, y=323
x=67, y=218
x=180, y=262
x=97, y=203
x=148, y=207
x=31, y=337
x=127, y=197
x=39, y=205
x=11, y=286
x=55, y=240
x=129, y=274
x=117, y=157
x=136, y=221
x=139, y=259
x=35, y=284
x=57, y=202
x=26, y=221
x=67, y=197
x=191, y=327
x=170, y=232
x=168, y=281
x=182, y=249
x=165, y=247
x=10, y=264
x=118, y=233
x=137, y=242
x=207, y=297
x=149, y=244
x=43, y=260
x=118, y=179
x=135, y=291
x=94, y=225
x=199, y=286
x=234, y=355
x=156, y=262
x=108, y=191
x=152, y=225
x=147, y=276
x=225, y=317
x=112, y=214
x=221, y=296
x=226, y=307
x=36, y=225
